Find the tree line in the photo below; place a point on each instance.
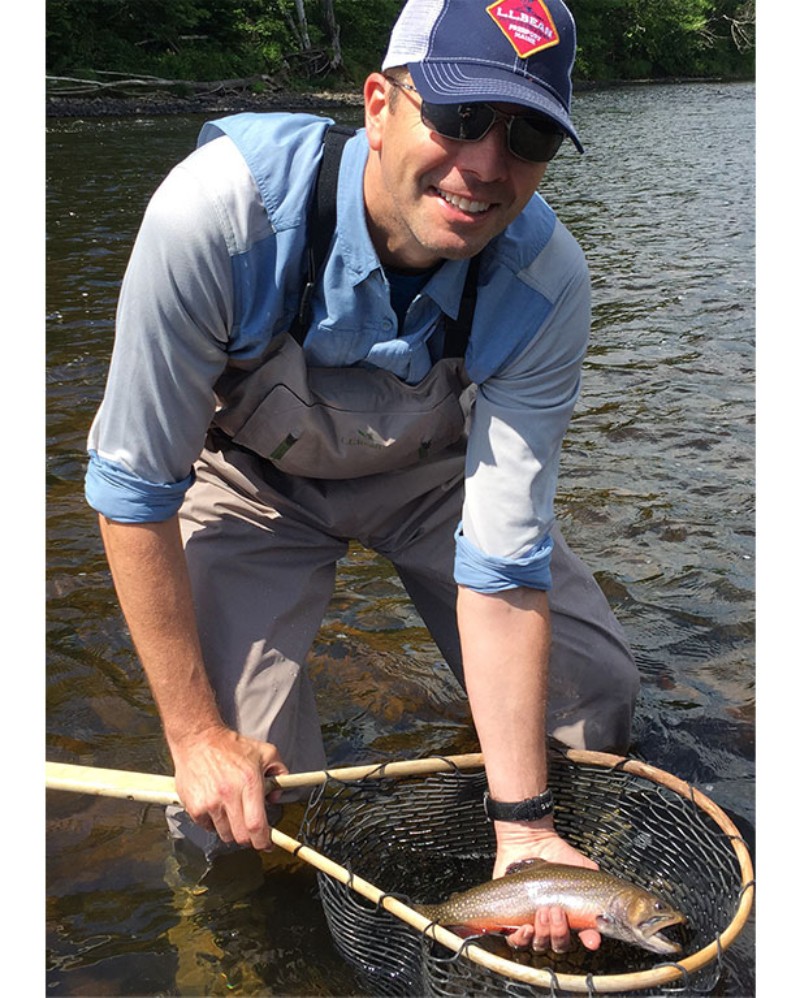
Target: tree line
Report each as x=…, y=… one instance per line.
x=333, y=44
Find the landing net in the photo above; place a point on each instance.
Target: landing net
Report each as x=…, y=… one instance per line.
x=421, y=838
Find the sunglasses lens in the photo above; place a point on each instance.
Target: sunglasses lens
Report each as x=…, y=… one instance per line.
x=534, y=139
x=531, y=138
x=463, y=122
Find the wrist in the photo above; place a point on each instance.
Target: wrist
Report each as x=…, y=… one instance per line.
x=186, y=738
x=523, y=838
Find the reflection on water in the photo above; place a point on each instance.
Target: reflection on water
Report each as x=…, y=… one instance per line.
x=656, y=494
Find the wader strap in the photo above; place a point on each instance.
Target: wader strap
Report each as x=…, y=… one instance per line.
x=321, y=223
x=456, y=331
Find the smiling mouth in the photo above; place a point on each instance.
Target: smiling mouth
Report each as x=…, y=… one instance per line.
x=464, y=204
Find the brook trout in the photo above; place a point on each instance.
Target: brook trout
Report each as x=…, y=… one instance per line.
x=591, y=899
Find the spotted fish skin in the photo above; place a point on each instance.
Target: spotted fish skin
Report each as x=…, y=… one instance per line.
x=591, y=899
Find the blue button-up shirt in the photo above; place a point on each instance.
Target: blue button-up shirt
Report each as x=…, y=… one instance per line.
x=215, y=275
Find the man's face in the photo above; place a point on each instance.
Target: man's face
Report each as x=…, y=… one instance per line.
x=428, y=197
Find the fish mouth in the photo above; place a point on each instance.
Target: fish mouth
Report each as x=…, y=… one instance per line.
x=650, y=937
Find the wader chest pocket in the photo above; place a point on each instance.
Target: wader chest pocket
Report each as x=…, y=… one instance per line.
x=325, y=422
x=350, y=422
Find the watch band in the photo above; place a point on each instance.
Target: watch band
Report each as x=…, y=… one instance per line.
x=530, y=809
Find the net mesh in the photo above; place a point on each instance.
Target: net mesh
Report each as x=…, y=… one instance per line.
x=421, y=838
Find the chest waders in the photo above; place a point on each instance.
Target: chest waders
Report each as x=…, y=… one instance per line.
x=302, y=460
x=345, y=422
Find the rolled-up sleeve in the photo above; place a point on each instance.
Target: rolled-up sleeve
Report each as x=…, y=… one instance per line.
x=172, y=328
x=521, y=415
x=128, y=498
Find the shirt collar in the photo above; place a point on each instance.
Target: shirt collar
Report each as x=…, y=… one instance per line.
x=447, y=285
x=355, y=245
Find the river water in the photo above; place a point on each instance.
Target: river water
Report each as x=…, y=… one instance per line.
x=656, y=494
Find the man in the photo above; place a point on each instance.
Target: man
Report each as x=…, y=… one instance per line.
x=237, y=452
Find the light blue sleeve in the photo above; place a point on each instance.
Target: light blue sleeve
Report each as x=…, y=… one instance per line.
x=486, y=574
x=131, y=499
x=520, y=417
x=173, y=325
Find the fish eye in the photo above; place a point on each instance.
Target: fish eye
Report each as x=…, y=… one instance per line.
x=659, y=906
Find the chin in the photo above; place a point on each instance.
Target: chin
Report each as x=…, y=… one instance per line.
x=453, y=246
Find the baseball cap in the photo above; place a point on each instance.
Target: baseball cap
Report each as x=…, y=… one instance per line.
x=516, y=51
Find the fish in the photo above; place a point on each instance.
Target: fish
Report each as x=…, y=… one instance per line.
x=592, y=899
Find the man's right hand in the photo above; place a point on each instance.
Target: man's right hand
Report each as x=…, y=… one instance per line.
x=219, y=777
x=219, y=774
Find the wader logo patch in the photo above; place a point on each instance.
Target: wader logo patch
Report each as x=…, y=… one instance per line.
x=527, y=24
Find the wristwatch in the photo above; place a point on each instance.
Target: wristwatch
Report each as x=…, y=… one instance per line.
x=530, y=809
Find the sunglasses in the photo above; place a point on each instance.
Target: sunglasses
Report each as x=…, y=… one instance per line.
x=530, y=137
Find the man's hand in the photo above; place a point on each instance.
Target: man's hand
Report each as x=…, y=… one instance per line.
x=219, y=777
x=516, y=842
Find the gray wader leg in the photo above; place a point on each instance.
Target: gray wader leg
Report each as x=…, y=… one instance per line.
x=594, y=679
x=261, y=580
x=593, y=682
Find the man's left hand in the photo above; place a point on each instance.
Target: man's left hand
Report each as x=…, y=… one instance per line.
x=550, y=929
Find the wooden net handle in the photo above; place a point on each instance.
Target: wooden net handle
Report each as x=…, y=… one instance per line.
x=152, y=789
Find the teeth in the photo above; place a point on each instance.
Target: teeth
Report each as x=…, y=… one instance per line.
x=473, y=207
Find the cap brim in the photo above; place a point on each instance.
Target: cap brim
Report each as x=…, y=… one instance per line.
x=451, y=83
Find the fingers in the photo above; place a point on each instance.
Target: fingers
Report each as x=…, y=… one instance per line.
x=222, y=787
x=221, y=825
x=550, y=931
x=242, y=818
x=254, y=819
x=243, y=821
x=522, y=938
x=590, y=938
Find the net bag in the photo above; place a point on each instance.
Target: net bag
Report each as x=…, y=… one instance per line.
x=420, y=838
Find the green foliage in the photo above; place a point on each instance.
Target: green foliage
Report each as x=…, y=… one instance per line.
x=188, y=39
x=652, y=39
x=219, y=39
x=365, y=33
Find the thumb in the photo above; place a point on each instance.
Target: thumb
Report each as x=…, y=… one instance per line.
x=272, y=765
x=590, y=938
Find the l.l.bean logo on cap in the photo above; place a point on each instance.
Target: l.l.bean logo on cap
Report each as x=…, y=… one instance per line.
x=527, y=24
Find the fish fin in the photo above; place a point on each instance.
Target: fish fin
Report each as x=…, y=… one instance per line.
x=524, y=864
x=465, y=931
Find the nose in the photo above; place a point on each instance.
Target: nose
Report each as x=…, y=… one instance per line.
x=487, y=158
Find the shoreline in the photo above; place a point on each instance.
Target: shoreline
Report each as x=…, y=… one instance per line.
x=213, y=104
x=233, y=102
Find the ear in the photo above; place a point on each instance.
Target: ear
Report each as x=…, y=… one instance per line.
x=376, y=108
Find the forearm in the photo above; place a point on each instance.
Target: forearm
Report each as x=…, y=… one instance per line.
x=149, y=571
x=505, y=640
x=219, y=774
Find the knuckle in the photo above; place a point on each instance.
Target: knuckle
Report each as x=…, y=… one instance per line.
x=252, y=780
